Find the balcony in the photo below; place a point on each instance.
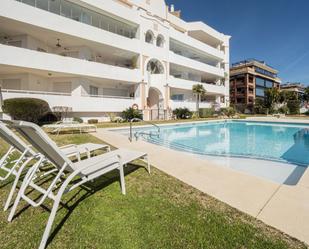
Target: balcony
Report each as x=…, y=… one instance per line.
x=190, y=104
x=188, y=84
x=35, y=60
x=198, y=45
x=84, y=103
x=195, y=65
x=22, y=17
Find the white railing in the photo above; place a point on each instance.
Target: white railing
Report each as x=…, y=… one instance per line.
x=194, y=64
x=34, y=92
x=54, y=63
x=85, y=16
x=78, y=103
x=190, y=104
x=106, y=96
x=188, y=84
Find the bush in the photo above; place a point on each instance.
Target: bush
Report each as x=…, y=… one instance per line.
x=182, y=113
x=131, y=113
x=48, y=118
x=78, y=120
x=93, y=121
x=229, y=111
x=283, y=109
x=206, y=112
x=293, y=106
x=27, y=109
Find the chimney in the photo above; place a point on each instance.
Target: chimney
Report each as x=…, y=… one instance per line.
x=173, y=12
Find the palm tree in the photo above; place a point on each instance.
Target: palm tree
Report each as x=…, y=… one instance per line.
x=199, y=91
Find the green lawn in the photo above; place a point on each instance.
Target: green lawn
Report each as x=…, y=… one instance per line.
x=158, y=212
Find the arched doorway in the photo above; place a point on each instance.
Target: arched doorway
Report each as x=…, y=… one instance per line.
x=155, y=103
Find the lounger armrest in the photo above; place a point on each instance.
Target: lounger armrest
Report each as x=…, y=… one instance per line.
x=68, y=146
x=98, y=163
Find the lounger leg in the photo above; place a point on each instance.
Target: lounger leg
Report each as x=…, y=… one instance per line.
x=53, y=213
x=50, y=223
x=148, y=164
x=122, y=182
x=23, y=187
x=21, y=169
x=17, y=200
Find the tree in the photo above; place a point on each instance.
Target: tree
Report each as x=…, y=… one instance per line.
x=272, y=97
x=199, y=91
x=306, y=94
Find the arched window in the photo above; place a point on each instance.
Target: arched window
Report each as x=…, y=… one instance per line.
x=149, y=37
x=160, y=41
x=155, y=67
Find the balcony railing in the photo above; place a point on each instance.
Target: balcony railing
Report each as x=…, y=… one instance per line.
x=83, y=15
x=34, y=92
x=105, y=96
x=94, y=58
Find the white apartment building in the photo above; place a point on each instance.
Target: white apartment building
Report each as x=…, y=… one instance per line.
x=97, y=57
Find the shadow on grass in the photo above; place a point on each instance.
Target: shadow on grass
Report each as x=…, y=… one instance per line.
x=90, y=188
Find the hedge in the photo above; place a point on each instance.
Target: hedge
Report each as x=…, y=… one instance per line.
x=27, y=109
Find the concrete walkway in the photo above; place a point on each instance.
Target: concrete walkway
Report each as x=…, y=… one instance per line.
x=283, y=207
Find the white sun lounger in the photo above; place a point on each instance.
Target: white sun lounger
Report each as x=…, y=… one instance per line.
x=16, y=167
x=70, y=126
x=86, y=170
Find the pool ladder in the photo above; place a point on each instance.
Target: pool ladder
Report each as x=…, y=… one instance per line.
x=143, y=133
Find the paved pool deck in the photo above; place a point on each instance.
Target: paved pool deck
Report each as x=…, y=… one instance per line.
x=281, y=206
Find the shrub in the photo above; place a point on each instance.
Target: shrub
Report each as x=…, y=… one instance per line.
x=93, y=121
x=207, y=112
x=48, y=118
x=283, y=109
x=78, y=120
x=131, y=113
x=182, y=113
x=27, y=109
x=293, y=106
x=229, y=111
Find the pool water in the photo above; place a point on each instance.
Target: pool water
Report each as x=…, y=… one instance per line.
x=284, y=143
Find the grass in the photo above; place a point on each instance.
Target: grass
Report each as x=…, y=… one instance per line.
x=158, y=211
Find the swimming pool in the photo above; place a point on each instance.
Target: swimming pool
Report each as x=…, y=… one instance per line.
x=277, y=142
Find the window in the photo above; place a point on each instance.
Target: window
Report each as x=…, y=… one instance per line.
x=15, y=43
x=149, y=37
x=160, y=41
x=30, y=2
x=155, y=67
x=13, y=84
x=268, y=84
x=42, y=4
x=54, y=6
x=260, y=92
x=178, y=97
x=62, y=87
x=94, y=91
x=259, y=81
x=66, y=9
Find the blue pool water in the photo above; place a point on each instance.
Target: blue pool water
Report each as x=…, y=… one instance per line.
x=271, y=141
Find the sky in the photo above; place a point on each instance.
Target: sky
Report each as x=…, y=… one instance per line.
x=274, y=31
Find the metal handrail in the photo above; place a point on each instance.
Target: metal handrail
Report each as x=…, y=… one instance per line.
x=138, y=119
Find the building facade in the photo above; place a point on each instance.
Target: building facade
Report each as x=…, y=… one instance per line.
x=248, y=81
x=100, y=57
x=297, y=88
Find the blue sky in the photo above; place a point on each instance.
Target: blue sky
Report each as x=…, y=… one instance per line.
x=276, y=31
